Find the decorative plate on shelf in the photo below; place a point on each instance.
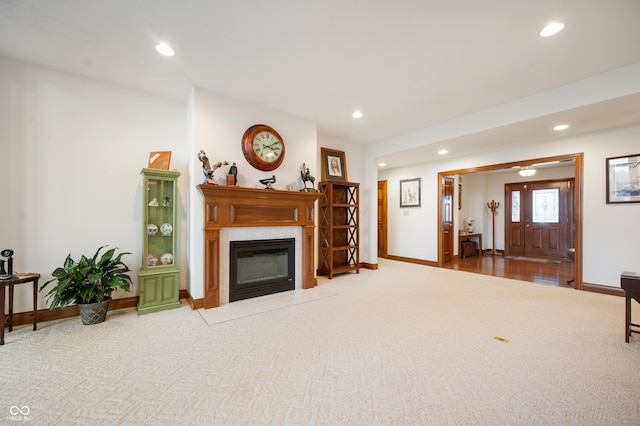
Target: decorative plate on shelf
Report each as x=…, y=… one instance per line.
x=152, y=260
x=152, y=229
x=166, y=229
x=166, y=259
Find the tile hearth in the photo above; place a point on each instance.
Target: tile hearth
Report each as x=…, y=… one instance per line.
x=258, y=305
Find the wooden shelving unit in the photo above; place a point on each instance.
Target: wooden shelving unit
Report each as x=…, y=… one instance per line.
x=339, y=236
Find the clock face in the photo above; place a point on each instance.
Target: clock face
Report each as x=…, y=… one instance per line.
x=267, y=146
x=263, y=147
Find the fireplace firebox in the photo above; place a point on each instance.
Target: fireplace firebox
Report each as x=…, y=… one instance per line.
x=261, y=267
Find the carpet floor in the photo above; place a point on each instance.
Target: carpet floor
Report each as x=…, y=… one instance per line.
x=403, y=345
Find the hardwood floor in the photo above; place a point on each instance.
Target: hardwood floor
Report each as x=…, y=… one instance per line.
x=544, y=273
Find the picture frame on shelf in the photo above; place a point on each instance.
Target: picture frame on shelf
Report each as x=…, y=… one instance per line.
x=623, y=179
x=160, y=160
x=334, y=165
x=410, y=192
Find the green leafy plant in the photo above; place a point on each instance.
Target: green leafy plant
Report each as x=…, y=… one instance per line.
x=90, y=280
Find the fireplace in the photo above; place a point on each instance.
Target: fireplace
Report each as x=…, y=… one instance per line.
x=231, y=208
x=261, y=267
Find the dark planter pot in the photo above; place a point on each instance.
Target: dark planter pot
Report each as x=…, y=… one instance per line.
x=94, y=313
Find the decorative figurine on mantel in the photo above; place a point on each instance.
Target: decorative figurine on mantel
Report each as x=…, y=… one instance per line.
x=306, y=177
x=207, y=170
x=232, y=176
x=268, y=182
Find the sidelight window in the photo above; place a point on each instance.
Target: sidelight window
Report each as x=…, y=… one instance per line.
x=515, y=206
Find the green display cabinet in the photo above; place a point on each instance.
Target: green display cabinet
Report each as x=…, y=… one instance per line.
x=159, y=287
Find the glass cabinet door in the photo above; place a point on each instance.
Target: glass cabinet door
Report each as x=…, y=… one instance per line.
x=160, y=191
x=159, y=276
x=160, y=223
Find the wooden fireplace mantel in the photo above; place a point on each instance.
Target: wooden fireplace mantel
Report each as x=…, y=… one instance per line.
x=233, y=206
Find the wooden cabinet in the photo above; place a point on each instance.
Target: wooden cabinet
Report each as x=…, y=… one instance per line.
x=339, y=236
x=159, y=277
x=466, y=245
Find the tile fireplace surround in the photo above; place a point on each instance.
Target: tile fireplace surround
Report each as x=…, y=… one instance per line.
x=256, y=233
x=236, y=207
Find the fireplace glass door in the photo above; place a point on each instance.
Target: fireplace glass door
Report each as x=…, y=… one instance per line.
x=261, y=267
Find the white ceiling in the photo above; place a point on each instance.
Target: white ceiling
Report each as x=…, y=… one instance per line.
x=407, y=64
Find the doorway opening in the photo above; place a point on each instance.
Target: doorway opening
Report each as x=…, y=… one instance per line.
x=576, y=205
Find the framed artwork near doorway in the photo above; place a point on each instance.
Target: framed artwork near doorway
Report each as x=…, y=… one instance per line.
x=410, y=192
x=334, y=166
x=623, y=179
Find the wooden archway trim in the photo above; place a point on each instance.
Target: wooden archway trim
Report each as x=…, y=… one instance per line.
x=578, y=160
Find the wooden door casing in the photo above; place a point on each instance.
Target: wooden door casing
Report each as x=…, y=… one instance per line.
x=576, y=193
x=447, y=218
x=382, y=219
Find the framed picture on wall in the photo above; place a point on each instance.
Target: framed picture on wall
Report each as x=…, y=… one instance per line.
x=334, y=166
x=410, y=192
x=623, y=179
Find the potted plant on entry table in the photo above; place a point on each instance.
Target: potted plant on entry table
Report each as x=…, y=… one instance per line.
x=89, y=283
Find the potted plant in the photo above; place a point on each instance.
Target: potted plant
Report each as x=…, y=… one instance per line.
x=89, y=284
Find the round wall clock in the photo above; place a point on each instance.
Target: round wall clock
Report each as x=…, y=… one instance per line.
x=263, y=147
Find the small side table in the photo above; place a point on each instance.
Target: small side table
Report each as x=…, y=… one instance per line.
x=630, y=283
x=11, y=282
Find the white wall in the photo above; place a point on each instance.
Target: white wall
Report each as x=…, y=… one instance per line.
x=409, y=234
x=217, y=127
x=474, y=199
x=356, y=172
x=607, y=247
x=71, y=151
x=353, y=157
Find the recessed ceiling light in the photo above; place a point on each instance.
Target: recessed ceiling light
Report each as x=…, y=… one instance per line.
x=382, y=164
x=165, y=50
x=551, y=29
x=357, y=114
x=561, y=127
x=443, y=152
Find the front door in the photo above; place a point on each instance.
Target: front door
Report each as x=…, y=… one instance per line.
x=538, y=218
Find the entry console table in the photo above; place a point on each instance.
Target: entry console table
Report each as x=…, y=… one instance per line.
x=630, y=283
x=11, y=282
